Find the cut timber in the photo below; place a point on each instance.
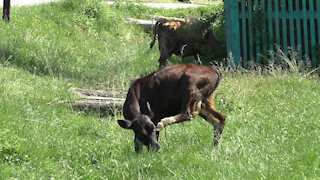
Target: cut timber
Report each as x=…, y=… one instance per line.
x=97, y=100
x=159, y=17
x=147, y=24
x=163, y=5
x=165, y=17
x=98, y=92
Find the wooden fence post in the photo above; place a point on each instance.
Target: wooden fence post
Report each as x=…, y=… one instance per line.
x=6, y=10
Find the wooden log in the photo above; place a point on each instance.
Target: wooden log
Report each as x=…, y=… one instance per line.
x=147, y=24
x=159, y=17
x=96, y=104
x=98, y=92
x=103, y=107
x=97, y=100
x=163, y=5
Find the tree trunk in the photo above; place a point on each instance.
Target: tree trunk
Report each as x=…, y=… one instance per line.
x=6, y=10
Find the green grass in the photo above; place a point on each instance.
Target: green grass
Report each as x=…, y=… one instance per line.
x=175, y=1
x=272, y=127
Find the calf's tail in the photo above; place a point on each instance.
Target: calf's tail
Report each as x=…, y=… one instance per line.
x=155, y=32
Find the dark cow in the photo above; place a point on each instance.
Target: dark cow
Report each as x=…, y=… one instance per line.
x=171, y=95
x=182, y=37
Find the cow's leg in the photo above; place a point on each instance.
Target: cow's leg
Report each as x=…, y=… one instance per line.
x=162, y=62
x=138, y=145
x=165, y=50
x=216, y=118
x=157, y=134
x=172, y=120
x=191, y=108
x=196, y=59
x=164, y=58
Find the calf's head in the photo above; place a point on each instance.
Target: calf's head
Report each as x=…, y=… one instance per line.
x=144, y=131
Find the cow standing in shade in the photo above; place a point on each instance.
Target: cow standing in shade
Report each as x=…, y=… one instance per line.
x=182, y=37
x=171, y=95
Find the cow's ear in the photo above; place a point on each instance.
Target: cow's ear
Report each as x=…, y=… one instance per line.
x=125, y=124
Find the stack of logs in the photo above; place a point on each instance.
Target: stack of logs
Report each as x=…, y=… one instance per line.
x=97, y=100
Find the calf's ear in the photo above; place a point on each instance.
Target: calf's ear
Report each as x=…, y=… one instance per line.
x=125, y=124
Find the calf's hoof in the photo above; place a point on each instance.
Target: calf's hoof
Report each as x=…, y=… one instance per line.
x=160, y=126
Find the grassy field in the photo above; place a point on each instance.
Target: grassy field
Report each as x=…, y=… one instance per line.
x=175, y=1
x=272, y=129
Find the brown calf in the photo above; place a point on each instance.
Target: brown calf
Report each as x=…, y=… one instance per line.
x=171, y=95
x=183, y=37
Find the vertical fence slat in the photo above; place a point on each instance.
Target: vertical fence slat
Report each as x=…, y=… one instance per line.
x=305, y=28
x=273, y=25
x=299, y=45
x=270, y=29
x=257, y=34
x=312, y=32
x=228, y=26
x=291, y=25
x=264, y=39
x=232, y=29
x=250, y=30
x=284, y=27
x=276, y=4
x=244, y=34
x=318, y=17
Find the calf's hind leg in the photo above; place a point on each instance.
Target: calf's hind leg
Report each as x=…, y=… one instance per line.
x=216, y=118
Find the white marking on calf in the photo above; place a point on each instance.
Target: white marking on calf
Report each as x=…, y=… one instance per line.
x=164, y=122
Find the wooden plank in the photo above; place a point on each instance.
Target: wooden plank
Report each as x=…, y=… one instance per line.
x=291, y=25
x=250, y=31
x=147, y=24
x=270, y=29
x=159, y=17
x=257, y=34
x=318, y=19
x=284, y=28
x=276, y=3
x=97, y=100
x=232, y=29
x=312, y=32
x=112, y=103
x=299, y=45
x=104, y=98
x=102, y=107
x=244, y=34
x=305, y=29
x=264, y=33
x=228, y=27
x=98, y=92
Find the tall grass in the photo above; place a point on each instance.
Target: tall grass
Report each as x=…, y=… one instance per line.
x=272, y=127
x=54, y=40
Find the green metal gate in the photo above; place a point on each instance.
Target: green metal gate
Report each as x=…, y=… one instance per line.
x=257, y=30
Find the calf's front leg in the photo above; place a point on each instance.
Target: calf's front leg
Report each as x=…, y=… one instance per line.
x=172, y=120
x=179, y=117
